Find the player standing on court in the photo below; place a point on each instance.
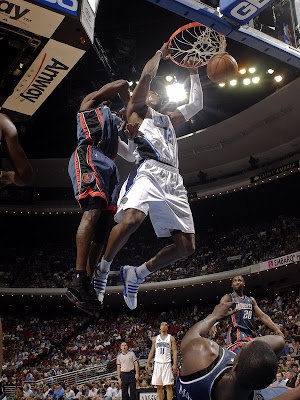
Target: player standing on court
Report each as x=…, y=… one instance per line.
x=241, y=323
x=95, y=181
x=157, y=187
x=163, y=372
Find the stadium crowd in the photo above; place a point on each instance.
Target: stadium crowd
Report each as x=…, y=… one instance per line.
x=53, y=264
x=42, y=349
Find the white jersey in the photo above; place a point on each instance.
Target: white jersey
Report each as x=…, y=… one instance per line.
x=163, y=349
x=158, y=139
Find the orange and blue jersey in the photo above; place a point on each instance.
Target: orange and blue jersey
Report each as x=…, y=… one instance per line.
x=241, y=323
x=91, y=167
x=99, y=127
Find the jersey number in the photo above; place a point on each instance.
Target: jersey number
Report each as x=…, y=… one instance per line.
x=247, y=314
x=168, y=135
x=162, y=350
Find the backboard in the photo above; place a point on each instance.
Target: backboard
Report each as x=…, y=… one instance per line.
x=274, y=30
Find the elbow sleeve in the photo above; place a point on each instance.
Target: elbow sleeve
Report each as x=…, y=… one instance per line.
x=196, y=99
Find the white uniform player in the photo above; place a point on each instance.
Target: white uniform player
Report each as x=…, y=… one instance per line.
x=162, y=346
x=157, y=187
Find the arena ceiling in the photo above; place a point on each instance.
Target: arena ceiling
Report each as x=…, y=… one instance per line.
x=237, y=122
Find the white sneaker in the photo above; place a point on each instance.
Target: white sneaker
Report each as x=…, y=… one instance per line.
x=99, y=283
x=131, y=285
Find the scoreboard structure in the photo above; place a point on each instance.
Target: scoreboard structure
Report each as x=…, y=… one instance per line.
x=46, y=38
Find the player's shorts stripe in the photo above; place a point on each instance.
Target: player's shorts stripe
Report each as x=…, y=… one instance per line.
x=85, y=129
x=99, y=116
x=77, y=169
x=96, y=176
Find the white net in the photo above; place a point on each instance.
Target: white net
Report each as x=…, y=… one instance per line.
x=197, y=42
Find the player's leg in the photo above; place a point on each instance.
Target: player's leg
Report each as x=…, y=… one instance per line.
x=102, y=230
x=121, y=232
x=169, y=390
x=132, y=277
x=160, y=392
x=80, y=290
x=96, y=250
x=84, y=237
x=117, y=239
x=183, y=246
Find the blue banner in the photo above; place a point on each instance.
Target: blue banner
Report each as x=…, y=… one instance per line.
x=66, y=6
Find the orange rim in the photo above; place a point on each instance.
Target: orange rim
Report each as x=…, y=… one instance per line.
x=182, y=28
x=187, y=26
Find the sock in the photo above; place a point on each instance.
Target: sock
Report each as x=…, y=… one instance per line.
x=104, y=266
x=142, y=271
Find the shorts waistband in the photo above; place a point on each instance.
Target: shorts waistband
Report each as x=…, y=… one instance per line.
x=127, y=372
x=159, y=164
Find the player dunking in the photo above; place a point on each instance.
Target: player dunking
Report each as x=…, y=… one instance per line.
x=157, y=187
x=95, y=181
x=241, y=322
x=163, y=372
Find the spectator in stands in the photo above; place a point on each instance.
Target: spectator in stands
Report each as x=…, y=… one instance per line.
x=59, y=392
x=27, y=392
x=111, y=391
x=93, y=391
x=290, y=379
x=279, y=380
x=69, y=393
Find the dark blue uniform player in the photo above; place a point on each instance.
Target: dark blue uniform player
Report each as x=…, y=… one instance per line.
x=241, y=323
x=95, y=181
x=210, y=372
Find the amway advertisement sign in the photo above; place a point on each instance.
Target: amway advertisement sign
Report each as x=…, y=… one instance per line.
x=66, y=6
x=280, y=261
x=29, y=17
x=47, y=71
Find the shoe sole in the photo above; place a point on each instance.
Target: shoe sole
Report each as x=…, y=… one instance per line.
x=81, y=304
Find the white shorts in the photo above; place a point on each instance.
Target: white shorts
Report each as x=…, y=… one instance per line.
x=162, y=374
x=157, y=189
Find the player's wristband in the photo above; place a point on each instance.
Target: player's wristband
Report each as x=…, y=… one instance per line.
x=160, y=51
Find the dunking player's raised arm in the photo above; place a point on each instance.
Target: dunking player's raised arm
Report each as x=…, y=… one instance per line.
x=137, y=107
x=106, y=92
x=187, y=111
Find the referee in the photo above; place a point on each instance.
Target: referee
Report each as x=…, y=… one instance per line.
x=128, y=372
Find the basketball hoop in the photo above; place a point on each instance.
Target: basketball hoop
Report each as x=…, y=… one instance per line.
x=197, y=41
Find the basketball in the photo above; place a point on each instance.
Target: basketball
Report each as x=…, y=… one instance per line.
x=221, y=67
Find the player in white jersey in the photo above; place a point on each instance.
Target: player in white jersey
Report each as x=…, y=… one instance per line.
x=157, y=187
x=163, y=372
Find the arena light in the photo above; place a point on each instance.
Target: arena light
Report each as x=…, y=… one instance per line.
x=278, y=78
x=169, y=78
x=270, y=71
x=130, y=83
x=242, y=71
x=176, y=92
x=222, y=84
x=256, y=79
x=252, y=70
x=233, y=82
x=246, y=81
